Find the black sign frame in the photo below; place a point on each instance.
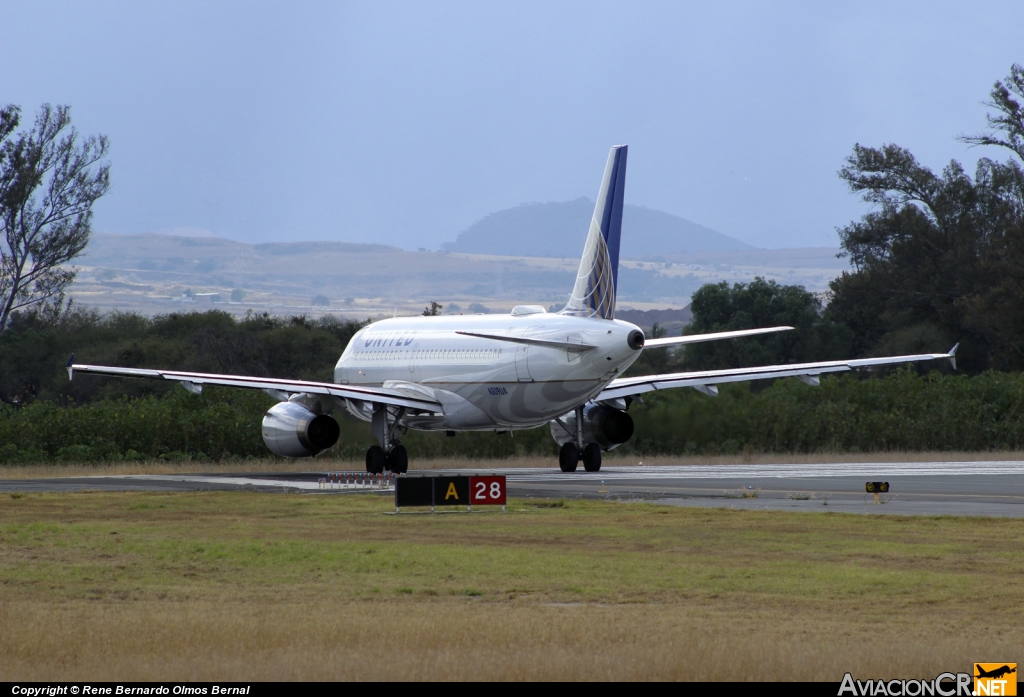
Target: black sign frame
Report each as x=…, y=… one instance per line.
x=441, y=490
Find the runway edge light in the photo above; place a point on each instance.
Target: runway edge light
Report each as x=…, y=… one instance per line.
x=876, y=488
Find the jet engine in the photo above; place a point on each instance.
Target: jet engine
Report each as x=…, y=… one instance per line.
x=292, y=430
x=604, y=425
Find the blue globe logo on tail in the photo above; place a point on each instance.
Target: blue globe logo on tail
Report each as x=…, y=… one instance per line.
x=594, y=292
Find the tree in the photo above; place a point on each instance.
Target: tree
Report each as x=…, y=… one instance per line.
x=996, y=311
x=434, y=309
x=32, y=352
x=719, y=307
x=49, y=181
x=1007, y=126
x=941, y=259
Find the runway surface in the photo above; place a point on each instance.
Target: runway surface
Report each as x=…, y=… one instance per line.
x=994, y=488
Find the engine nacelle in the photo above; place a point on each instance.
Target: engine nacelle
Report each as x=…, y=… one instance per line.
x=604, y=425
x=292, y=430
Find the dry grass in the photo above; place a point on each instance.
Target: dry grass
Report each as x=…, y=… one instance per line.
x=44, y=470
x=446, y=640
x=240, y=586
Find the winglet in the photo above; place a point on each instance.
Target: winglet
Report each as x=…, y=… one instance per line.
x=70, y=367
x=952, y=355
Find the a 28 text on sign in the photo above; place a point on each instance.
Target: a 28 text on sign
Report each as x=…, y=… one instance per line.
x=450, y=491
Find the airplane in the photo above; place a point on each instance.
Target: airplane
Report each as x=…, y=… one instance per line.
x=994, y=673
x=526, y=369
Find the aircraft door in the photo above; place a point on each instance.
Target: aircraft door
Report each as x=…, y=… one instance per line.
x=522, y=366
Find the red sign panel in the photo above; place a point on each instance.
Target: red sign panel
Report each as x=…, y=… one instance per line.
x=485, y=491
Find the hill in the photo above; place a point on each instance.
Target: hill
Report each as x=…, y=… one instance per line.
x=559, y=230
x=155, y=274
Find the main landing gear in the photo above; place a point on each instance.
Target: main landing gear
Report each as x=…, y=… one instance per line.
x=572, y=452
x=390, y=454
x=569, y=456
x=396, y=461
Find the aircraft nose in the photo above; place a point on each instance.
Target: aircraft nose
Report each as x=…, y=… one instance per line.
x=635, y=339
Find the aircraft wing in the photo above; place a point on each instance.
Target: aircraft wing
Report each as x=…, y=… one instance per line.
x=716, y=336
x=194, y=382
x=705, y=381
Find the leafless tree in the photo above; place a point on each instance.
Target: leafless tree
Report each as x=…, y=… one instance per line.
x=49, y=180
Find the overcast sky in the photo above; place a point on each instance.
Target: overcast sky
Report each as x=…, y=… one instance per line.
x=404, y=122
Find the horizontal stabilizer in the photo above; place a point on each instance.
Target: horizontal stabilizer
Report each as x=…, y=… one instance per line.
x=564, y=345
x=716, y=336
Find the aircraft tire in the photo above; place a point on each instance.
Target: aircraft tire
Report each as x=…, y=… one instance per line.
x=376, y=459
x=398, y=459
x=592, y=457
x=568, y=457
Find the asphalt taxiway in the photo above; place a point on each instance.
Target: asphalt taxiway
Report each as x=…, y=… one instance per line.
x=989, y=488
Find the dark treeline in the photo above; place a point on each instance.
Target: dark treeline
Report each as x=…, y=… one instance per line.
x=902, y=411
x=33, y=351
x=941, y=257
x=719, y=307
x=46, y=418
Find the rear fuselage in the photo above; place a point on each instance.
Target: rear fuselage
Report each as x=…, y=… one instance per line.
x=487, y=383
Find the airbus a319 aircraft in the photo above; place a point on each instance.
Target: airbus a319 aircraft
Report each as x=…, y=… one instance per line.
x=526, y=369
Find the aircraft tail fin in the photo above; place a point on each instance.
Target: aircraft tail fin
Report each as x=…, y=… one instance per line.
x=594, y=292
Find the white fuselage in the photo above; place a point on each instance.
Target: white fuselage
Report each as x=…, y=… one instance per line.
x=485, y=383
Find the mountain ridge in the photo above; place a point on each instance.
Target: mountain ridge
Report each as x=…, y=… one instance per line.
x=559, y=229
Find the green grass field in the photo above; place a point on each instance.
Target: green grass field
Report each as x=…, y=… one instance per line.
x=242, y=586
